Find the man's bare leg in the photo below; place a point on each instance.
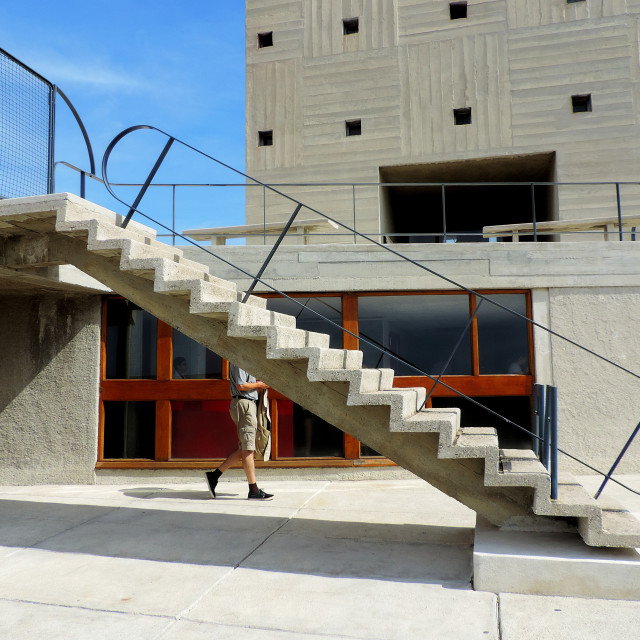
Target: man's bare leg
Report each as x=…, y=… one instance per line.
x=249, y=466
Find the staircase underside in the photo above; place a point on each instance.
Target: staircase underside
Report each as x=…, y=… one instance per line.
x=508, y=488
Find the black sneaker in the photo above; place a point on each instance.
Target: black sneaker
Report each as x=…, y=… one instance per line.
x=212, y=481
x=260, y=495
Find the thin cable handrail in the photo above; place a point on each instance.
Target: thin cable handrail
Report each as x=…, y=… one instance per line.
x=328, y=320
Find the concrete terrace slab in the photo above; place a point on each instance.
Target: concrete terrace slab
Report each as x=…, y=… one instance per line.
x=369, y=559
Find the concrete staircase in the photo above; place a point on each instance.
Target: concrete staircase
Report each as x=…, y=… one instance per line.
x=510, y=488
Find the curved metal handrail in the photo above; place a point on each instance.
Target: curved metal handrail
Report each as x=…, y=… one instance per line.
x=85, y=135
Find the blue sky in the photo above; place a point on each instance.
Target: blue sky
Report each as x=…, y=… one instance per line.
x=177, y=66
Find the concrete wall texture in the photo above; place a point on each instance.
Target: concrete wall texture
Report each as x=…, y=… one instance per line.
x=516, y=64
x=50, y=345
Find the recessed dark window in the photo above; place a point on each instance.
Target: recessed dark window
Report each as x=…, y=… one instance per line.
x=457, y=10
x=581, y=103
x=462, y=116
x=265, y=39
x=353, y=127
x=265, y=138
x=350, y=25
x=573, y=1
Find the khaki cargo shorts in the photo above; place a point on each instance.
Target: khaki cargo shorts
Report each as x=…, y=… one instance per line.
x=244, y=413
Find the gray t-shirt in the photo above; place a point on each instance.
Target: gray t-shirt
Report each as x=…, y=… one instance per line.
x=240, y=376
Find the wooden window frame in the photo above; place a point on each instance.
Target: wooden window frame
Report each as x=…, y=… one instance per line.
x=164, y=389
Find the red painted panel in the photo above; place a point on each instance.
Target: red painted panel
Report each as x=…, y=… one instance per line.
x=285, y=429
x=202, y=429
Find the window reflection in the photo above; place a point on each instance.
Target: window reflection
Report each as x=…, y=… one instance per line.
x=302, y=434
x=131, y=341
x=328, y=306
x=423, y=330
x=503, y=338
x=192, y=360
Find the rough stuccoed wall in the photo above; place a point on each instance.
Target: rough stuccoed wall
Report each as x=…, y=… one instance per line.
x=49, y=383
x=598, y=405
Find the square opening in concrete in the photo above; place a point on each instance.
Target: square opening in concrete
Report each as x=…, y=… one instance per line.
x=265, y=39
x=350, y=26
x=265, y=138
x=581, y=103
x=353, y=127
x=457, y=10
x=462, y=116
x=452, y=201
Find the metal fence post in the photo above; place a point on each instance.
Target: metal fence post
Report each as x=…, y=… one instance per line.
x=620, y=234
x=444, y=216
x=272, y=252
x=147, y=182
x=533, y=212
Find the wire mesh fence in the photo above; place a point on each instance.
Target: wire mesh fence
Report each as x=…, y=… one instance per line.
x=26, y=130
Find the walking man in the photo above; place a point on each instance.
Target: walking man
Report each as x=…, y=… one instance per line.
x=243, y=409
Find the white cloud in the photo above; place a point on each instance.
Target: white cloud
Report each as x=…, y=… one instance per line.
x=94, y=73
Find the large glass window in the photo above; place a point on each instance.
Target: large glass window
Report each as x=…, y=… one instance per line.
x=191, y=360
x=328, y=306
x=423, y=330
x=131, y=341
x=503, y=338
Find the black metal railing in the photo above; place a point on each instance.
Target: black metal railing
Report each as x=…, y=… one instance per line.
x=27, y=131
x=546, y=440
x=446, y=232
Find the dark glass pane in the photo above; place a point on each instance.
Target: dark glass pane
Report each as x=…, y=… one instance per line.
x=192, y=360
x=129, y=429
x=202, y=429
x=515, y=408
x=329, y=307
x=367, y=452
x=131, y=341
x=421, y=329
x=302, y=434
x=502, y=337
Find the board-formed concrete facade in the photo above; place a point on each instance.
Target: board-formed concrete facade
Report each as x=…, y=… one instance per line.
x=515, y=63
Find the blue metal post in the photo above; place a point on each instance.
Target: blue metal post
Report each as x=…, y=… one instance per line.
x=538, y=417
x=546, y=428
x=618, y=459
x=552, y=403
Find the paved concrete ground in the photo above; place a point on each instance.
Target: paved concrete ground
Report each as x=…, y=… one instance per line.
x=369, y=559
